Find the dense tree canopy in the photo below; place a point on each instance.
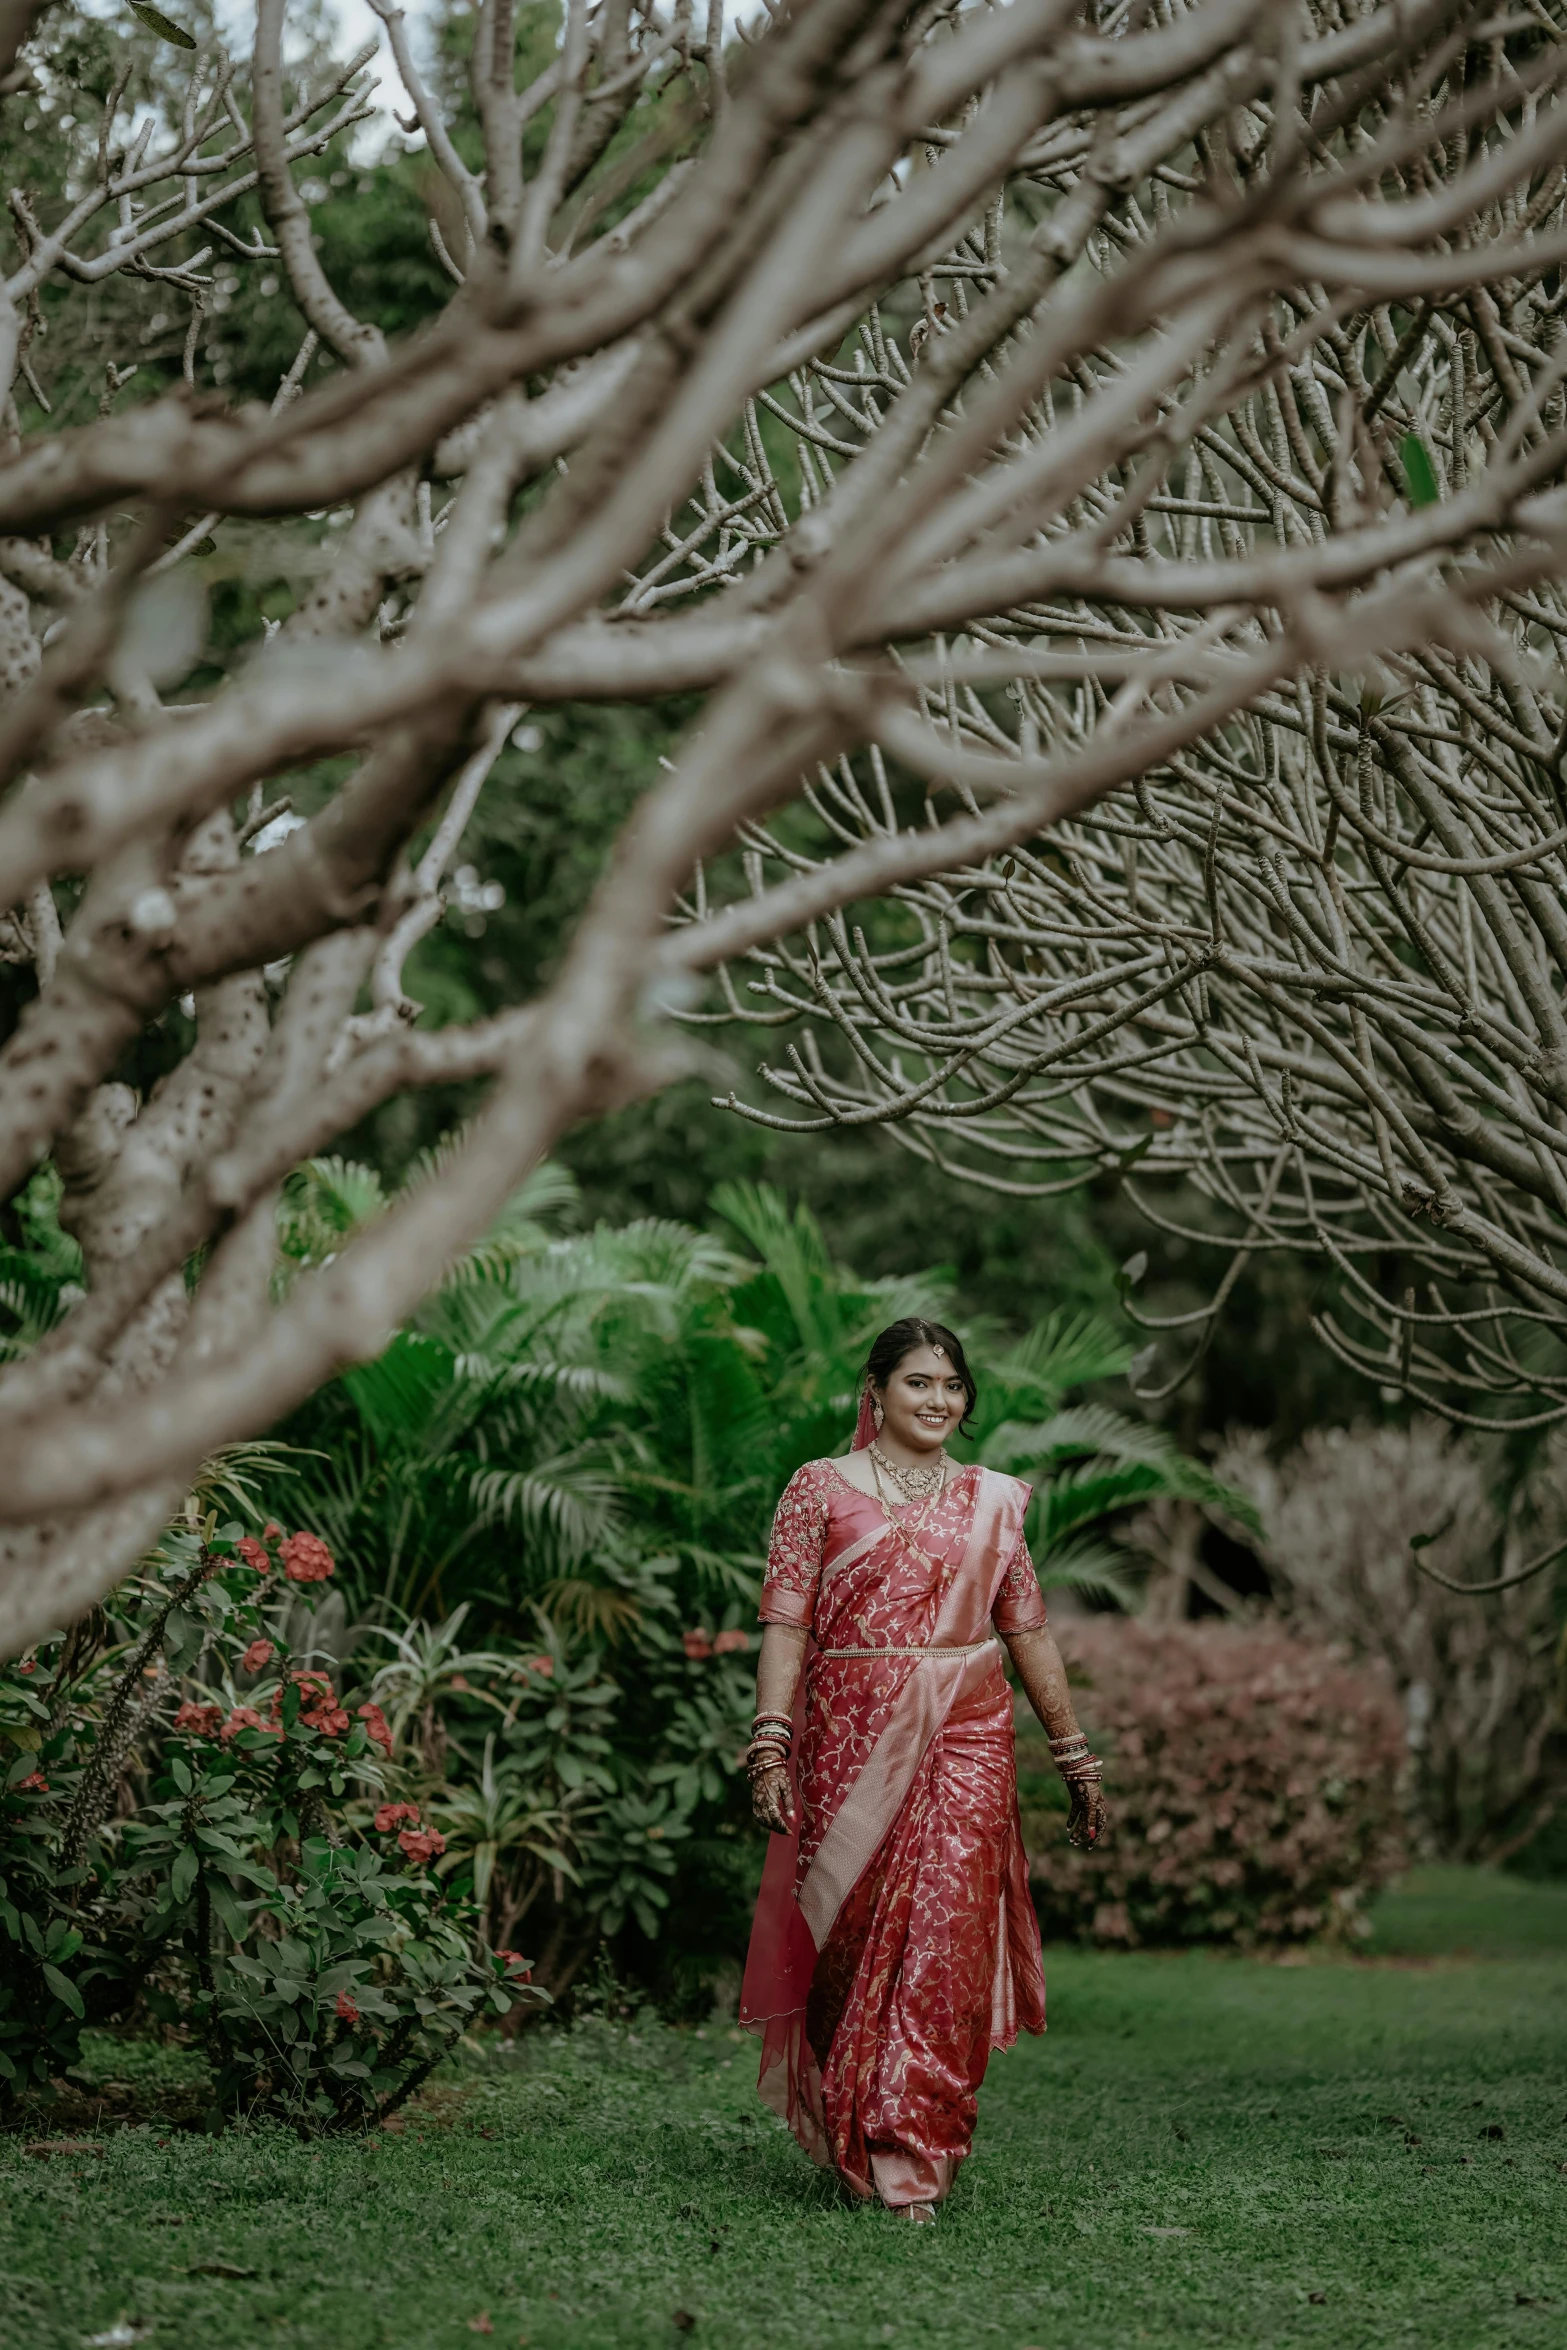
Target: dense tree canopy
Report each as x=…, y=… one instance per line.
x=948, y=415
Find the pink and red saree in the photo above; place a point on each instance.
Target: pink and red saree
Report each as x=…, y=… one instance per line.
x=895, y=1942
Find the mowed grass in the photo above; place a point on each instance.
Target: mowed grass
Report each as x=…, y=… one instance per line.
x=1203, y=2151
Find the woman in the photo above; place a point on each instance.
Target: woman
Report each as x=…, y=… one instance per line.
x=895, y=1943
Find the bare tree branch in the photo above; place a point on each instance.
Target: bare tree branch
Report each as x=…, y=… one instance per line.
x=1106, y=479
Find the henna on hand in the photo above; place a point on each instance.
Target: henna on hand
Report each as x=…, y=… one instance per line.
x=772, y=1800
x=1087, y=1820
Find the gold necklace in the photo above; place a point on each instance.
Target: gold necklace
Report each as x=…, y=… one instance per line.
x=915, y=1485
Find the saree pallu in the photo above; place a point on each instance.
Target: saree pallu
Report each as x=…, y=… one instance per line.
x=895, y=1942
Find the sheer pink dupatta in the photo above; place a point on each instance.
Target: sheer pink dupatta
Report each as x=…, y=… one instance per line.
x=865, y=1425
x=782, y=1957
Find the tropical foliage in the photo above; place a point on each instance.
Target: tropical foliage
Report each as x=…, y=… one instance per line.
x=39, y=1267
x=552, y=1495
x=547, y=1505
x=598, y=1424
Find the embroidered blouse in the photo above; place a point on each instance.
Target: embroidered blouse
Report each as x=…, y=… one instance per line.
x=799, y=1539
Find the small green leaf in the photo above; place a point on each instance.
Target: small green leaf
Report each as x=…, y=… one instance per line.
x=1419, y=471
x=228, y=1908
x=64, y=1989
x=156, y=22
x=183, y=1874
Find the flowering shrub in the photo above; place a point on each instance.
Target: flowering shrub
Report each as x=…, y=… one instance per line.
x=196, y=1855
x=1253, y=1784
x=304, y=1558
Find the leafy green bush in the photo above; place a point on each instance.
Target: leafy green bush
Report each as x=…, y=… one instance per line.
x=220, y=1856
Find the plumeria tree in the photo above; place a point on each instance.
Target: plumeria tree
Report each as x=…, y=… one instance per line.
x=981, y=410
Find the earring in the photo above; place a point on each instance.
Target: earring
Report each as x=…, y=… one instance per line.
x=877, y=1414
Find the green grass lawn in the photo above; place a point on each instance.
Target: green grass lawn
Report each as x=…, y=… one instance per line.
x=1203, y=2151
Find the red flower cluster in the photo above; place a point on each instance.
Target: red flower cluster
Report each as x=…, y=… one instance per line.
x=731, y=1643
x=697, y=1643
x=245, y=1717
x=422, y=1844
x=392, y=1815
x=257, y=1657
x=34, y=1784
x=318, y=1707
x=28, y=1665
x=202, y=1721
x=544, y=1666
x=376, y=1728
x=516, y=1965
x=346, y=2008
x=306, y=1558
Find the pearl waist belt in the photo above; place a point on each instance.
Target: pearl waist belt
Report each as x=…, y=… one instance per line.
x=972, y=1649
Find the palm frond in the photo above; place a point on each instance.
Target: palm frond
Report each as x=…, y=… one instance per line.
x=323, y=1204
x=1083, y=1496
x=1080, y=1431
x=31, y=1300
x=1097, y=1569
x=791, y=1247
x=41, y=1277
x=563, y=1503
x=521, y=1230
x=593, y=1610
x=1136, y=1458
x=233, y=1474
x=1063, y=1351
x=402, y=1394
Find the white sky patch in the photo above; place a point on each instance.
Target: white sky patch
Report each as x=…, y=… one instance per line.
x=355, y=23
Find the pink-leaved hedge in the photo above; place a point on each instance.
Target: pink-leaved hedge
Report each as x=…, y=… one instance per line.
x=1253, y=1779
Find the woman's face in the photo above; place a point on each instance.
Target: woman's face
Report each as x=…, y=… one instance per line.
x=923, y=1400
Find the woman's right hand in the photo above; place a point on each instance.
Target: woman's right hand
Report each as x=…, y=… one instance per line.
x=772, y=1800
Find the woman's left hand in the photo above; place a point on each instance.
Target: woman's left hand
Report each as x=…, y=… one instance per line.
x=1087, y=1822
x=772, y=1800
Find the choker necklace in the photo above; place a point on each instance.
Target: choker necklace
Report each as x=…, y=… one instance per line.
x=913, y=1484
